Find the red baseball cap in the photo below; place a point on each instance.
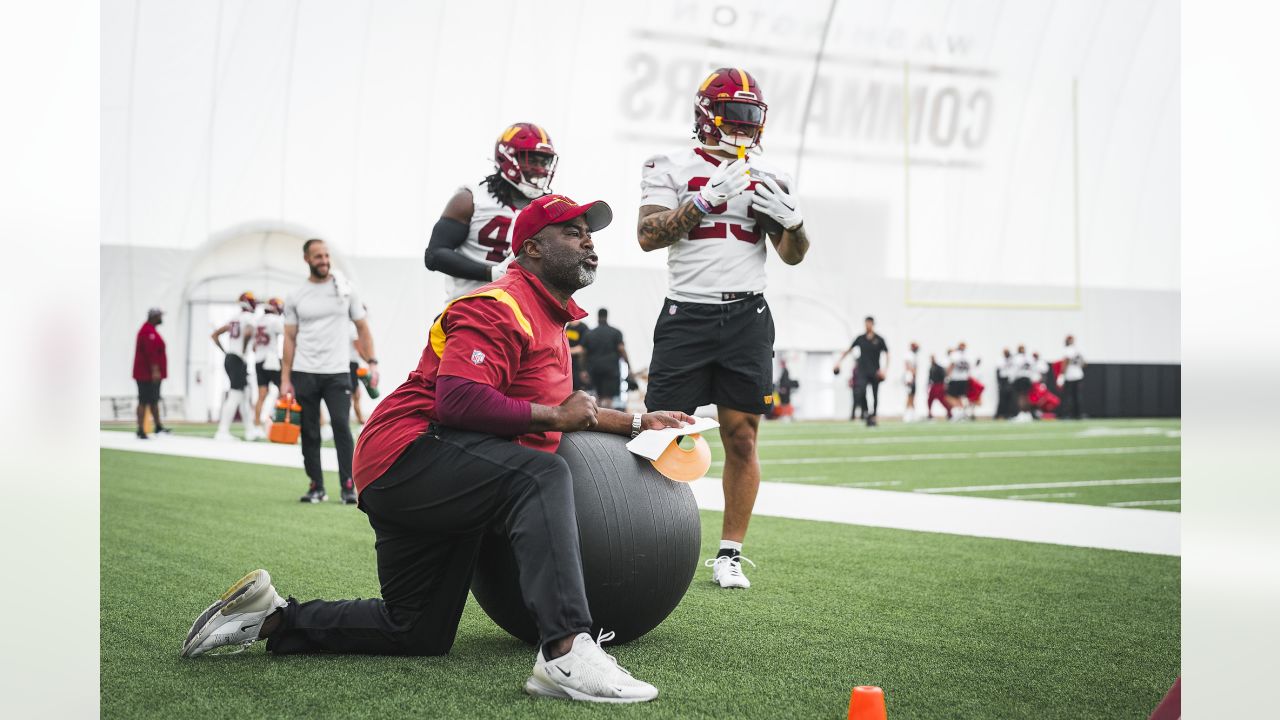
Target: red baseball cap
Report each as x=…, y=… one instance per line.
x=556, y=209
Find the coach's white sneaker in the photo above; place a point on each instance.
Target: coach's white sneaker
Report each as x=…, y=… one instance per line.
x=236, y=617
x=221, y=436
x=587, y=673
x=727, y=571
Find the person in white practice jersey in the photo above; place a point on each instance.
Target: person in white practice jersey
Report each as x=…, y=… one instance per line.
x=239, y=331
x=712, y=205
x=266, y=352
x=1022, y=371
x=471, y=242
x=909, y=381
x=354, y=366
x=1073, y=365
x=958, y=374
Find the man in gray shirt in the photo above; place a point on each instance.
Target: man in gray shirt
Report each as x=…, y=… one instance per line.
x=317, y=322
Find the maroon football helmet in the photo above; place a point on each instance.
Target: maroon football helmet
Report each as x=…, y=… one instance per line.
x=526, y=158
x=729, y=111
x=275, y=305
x=247, y=302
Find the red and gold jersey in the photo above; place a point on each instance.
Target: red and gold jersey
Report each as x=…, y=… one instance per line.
x=726, y=252
x=509, y=335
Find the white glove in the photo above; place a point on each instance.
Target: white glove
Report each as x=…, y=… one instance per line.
x=773, y=201
x=500, y=269
x=729, y=180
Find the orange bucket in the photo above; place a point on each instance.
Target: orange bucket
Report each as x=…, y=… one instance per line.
x=286, y=432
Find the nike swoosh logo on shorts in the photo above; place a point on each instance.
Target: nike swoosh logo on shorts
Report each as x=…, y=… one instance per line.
x=759, y=309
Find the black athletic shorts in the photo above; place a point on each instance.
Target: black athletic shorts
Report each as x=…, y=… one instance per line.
x=958, y=388
x=606, y=381
x=1022, y=385
x=355, y=379
x=148, y=392
x=911, y=390
x=721, y=354
x=266, y=376
x=237, y=371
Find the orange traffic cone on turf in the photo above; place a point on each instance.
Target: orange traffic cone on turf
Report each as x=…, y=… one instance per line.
x=866, y=703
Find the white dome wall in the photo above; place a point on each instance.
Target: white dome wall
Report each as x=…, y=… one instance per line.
x=358, y=119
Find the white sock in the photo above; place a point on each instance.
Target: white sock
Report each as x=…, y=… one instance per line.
x=731, y=545
x=229, y=409
x=246, y=412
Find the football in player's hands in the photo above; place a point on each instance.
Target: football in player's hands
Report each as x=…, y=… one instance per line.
x=774, y=202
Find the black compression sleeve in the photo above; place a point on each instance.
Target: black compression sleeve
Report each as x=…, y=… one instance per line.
x=442, y=256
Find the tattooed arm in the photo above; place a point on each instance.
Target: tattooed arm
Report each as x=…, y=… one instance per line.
x=660, y=227
x=792, y=245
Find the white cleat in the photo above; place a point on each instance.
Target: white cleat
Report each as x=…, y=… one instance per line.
x=727, y=572
x=225, y=437
x=236, y=617
x=587, y=673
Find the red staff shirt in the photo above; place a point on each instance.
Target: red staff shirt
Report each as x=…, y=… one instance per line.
x=509, y=335
x=148, y=351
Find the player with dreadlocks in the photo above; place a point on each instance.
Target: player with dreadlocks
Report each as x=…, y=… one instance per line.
x=471, y=242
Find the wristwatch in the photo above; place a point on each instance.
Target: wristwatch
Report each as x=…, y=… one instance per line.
x=635, y=424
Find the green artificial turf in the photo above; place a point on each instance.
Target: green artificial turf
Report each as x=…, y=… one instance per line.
x=941, y=455
x=949, y=626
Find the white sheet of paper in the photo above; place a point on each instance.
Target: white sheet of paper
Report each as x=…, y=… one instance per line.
x=650, y=443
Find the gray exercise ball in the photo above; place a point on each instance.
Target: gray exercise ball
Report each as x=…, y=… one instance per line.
x=640, y=535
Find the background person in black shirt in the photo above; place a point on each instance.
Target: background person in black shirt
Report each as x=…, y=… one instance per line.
x=937, y=387
x=604, y=348
x=867, y=370
x=576, y=332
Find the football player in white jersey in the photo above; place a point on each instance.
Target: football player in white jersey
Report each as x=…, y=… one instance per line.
x=909, y=380
x=711, y=205
x=958, y=382
x=266, y=352
x=239, y=331
x=1073, y=365
x=471, y=242
x=1021, y=374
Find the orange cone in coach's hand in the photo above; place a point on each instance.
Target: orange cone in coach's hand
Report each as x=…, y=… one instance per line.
x=867, y=703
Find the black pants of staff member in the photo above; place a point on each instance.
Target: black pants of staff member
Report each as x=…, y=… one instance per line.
x=1004, y=399
x=310, y=389
x=1071, y=399
x=861, y=381
x=450, y=491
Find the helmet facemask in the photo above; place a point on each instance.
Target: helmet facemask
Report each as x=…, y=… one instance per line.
x=729, y=123
x=536, y=171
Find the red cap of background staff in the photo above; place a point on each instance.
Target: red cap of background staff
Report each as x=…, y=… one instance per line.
x=553, y=210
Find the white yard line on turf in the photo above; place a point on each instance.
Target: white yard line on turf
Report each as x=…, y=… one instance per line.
x=1140, y=503
x=1040, y=496
x=1134, y=530
x=260, y=453
x=869, y=483
x=968, y=456
x=972, y=437
x=1048, y=485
